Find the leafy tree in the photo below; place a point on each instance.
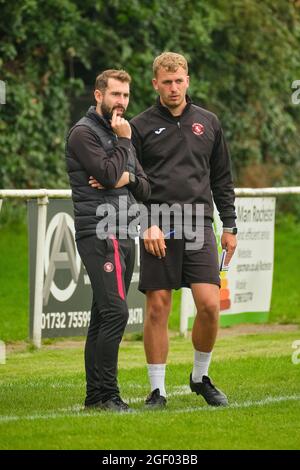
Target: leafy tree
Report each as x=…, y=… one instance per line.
x=36, y=41
x=243, y=56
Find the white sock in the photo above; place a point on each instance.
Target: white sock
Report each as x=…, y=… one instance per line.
x=157, y=374
x=201, y=365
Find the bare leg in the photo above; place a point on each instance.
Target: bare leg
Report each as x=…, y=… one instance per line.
x=207, y=300
x=156, y=340
x=205, y=328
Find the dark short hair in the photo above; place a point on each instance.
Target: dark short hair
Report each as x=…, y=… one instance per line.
x=102, y=79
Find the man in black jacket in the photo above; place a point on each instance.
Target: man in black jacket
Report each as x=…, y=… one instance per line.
x=99, y=145
x=184, y=155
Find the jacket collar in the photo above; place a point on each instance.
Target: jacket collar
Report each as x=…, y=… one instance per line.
x=96, y=117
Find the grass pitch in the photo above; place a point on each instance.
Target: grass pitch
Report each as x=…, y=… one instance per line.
x=42, y=391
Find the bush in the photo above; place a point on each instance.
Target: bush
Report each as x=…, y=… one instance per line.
x=243, y=59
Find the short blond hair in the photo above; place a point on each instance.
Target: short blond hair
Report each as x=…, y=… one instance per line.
x=102, y=79
x=170, y=61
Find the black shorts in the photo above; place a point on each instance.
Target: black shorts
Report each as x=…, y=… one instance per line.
x=180, y=267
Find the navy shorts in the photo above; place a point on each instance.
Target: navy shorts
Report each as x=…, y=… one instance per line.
x=180, y=267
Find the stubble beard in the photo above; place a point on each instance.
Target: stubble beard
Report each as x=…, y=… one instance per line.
x=107, y=112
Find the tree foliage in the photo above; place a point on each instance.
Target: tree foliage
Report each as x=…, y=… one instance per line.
x=243, y=56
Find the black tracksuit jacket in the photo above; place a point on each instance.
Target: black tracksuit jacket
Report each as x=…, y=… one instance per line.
x=185, y=159
x=85, y=157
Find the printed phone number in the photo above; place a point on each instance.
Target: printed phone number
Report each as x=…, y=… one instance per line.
x=60, y=320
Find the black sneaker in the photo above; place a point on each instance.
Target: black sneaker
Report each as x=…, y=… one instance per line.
x=211, y=394
x=115, y=404
x=92, y=406
x=155, y=400
x=112, y=404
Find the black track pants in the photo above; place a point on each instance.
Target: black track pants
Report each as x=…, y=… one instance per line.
x=109, y=264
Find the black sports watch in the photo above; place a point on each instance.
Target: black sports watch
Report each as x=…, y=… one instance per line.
x=132, y=181
x=232, y=230
x=132, y=178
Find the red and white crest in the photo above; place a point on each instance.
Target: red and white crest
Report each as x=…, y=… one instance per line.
x=198, y=128
x=108, y=267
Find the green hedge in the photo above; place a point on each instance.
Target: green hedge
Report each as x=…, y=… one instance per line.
x=243, y=54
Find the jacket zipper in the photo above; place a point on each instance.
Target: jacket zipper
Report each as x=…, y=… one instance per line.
x=179, y=128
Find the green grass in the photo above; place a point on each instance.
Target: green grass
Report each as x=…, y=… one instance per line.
x=14, y=291
x=14, y=282
x=41, y=395
x=285, y=305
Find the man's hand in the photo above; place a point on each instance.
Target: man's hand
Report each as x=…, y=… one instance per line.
x=123, y=181
x=94, y=183
x=229, y=243
x=120, y=126
x=154, y=241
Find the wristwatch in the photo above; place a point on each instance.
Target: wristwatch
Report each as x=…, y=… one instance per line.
x=132, y=181
x=232, y=230
x=132, y=178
